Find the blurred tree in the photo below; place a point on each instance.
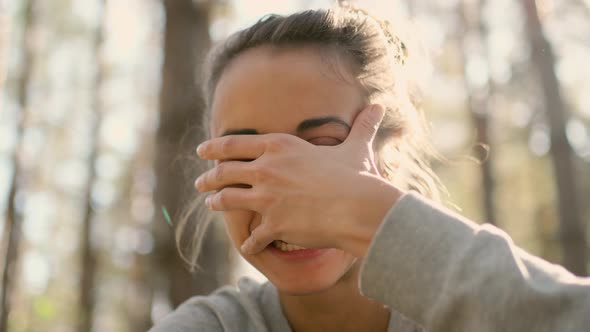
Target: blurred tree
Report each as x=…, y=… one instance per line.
x=137, y=310
x=475, y=53
x=186, y=40
x=12, y=231
x=4, y=28
x=572, y=230
x=88, y=256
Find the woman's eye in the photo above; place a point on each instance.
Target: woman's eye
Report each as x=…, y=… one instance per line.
x=325, y=141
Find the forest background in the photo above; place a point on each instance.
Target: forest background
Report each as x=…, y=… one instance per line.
x=99, y=107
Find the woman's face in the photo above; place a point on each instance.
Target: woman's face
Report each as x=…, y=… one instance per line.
x=269, y=90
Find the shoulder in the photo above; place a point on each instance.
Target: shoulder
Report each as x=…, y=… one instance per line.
x=189, y=316
x=227, y=309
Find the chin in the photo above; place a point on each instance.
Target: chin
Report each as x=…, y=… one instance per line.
x=295, y=273
x=311, y=274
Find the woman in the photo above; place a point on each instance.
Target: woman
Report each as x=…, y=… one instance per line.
x=329, y=194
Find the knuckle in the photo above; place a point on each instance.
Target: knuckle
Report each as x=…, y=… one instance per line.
x=228, y=144
x=221, y=200
x=274, y=229
x=260, y=174
x=265, y=200
x=279, y=142
x=367, y=124
x=220, y=172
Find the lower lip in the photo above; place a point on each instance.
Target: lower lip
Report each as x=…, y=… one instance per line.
x=296, y=255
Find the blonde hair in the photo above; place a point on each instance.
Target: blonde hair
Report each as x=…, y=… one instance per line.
x=382, y=63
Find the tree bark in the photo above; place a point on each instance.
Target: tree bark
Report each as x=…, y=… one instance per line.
x=186, y=40
x=12, y=229
x=478, y=99
x=88, y=256
x=572, y=230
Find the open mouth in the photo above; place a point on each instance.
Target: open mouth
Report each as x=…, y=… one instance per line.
x=284, y=246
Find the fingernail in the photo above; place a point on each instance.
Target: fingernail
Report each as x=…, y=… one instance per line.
x=244, y=248
x=200, y=149
x=376, y=112
x=208, y=201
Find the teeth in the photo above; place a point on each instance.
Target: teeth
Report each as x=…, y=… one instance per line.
x=284, y=246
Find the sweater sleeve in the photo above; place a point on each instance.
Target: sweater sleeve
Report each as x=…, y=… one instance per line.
x=449, y=274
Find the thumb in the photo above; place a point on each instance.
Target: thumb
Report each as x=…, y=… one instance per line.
x=366, y=124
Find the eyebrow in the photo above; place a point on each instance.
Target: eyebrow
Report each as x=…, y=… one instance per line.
x=303, y=126
x=244, y=131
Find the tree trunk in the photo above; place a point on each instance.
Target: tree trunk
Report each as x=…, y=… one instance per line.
x=186, y=41
x=5, y=24
x=12, y=230
x=478, y=99
x=572, y=230
x=88, y=256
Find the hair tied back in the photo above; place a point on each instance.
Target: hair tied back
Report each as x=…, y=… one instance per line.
x=400, y=49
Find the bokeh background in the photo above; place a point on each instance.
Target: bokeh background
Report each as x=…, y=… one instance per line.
x=99, y=104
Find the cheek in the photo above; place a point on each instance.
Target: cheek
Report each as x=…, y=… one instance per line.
x=239, y=224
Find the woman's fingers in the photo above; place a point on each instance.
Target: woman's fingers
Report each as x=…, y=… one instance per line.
x=233, y=147
x=225, y=174
x=234, y=199
x=260, y=237
x=365, y=125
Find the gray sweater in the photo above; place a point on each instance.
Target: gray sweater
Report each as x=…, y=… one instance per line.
x=438, y=269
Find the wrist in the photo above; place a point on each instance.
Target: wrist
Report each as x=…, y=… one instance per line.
x=375, y=200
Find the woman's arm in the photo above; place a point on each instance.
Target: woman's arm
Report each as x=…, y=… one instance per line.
x=450, y=274
x=443, y=271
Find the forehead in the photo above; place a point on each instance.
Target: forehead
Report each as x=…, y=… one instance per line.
x=273, y=90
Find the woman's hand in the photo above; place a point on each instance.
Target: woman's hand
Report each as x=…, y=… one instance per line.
x=311, y=196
